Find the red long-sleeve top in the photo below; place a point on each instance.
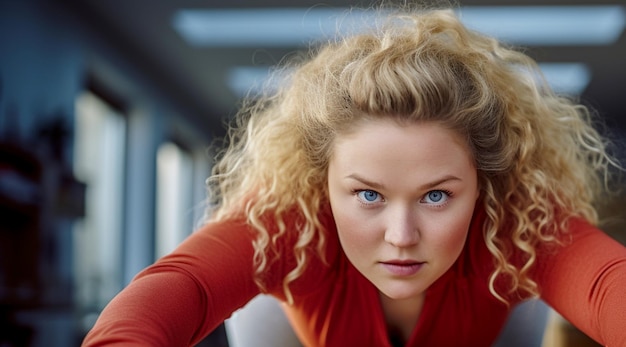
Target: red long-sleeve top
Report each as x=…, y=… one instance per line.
x=185, y=295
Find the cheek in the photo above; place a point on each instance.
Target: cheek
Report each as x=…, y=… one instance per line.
x=450, y=237
x=352, y=231
x=454, y=243
x=356, y=234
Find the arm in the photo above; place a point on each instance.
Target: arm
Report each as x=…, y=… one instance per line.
x=585, y=281
x=185, y=295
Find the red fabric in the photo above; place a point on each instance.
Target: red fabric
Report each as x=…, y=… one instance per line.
x=187, y=294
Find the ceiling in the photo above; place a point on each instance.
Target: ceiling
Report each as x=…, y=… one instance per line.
x=196, y=76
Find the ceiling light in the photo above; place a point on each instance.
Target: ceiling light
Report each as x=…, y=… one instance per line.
x=523, y=25
x=250, y=80
x=567, y=78
x=548, y=25
x=262, y=27
x=564, y=78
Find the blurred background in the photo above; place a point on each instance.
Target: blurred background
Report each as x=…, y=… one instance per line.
x=108, y=109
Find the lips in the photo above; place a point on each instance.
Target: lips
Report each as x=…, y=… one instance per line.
x=402, y=267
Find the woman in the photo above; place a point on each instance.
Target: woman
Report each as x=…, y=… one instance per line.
x=407, y=186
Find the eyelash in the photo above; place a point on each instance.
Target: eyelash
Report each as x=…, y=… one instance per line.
x=437, y=205
x=356, y=192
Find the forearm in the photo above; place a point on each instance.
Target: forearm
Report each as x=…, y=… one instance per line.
x=159, y=309
x=585, y=282
x=186, y=294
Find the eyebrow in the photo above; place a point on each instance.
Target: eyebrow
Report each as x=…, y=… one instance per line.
x=377, y=185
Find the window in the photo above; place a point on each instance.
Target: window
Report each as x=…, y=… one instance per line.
x=99, y=156
x=174, y=217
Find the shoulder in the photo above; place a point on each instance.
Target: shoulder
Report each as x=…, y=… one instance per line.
x=320, y=251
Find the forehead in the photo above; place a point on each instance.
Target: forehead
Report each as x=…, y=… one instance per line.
x=374, y=129
x=386, y=143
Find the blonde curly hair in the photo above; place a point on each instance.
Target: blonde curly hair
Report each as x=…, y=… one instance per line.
x=539, y=158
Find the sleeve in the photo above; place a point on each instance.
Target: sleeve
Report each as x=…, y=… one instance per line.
x=585, y=281
x=185, y=295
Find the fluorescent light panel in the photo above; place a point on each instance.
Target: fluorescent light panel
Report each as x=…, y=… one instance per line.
x=564, y=78
x=523, y=25
x=567, y=78
x=548, y=25
x=259, y=27
x=243, y=80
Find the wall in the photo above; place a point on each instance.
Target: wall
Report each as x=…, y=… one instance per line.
x=48, y=55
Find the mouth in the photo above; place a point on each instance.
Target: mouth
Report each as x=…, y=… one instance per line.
x=402, y=267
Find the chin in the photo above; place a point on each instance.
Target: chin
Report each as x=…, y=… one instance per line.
x=401, y=292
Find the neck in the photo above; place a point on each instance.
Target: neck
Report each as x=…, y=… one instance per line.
x=401, y=315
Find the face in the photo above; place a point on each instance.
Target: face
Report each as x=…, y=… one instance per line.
x=403, y=198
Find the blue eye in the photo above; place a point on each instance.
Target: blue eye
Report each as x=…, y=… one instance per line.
x=368, y=195
x=436, y=197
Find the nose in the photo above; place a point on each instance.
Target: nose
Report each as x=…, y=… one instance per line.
x=402, y=229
